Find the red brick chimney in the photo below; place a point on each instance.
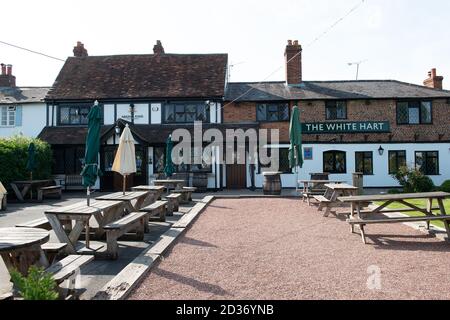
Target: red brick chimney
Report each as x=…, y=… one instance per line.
x=6, y=78
x=158, y=48
x=293, y=55
x=434, y=81
x=79, y=50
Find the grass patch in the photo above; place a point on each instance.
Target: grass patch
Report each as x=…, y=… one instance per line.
x=421, y=204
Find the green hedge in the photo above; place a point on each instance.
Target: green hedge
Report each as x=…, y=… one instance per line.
x=13, y=159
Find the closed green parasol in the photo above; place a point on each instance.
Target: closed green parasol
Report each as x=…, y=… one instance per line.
x=91, y=169
x=295, y=136
x=169, y=168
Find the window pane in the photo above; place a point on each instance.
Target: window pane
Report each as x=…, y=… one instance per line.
x=340, y=162
x=402, y=112
x=420, y=161
x=261, y=112
x=328, y=162
x=64, y=115
x=359, y=162
x=414, y=115
x=284, y=112
x=368, y=163
x=170, y=113
x=159, y=159
x=341, y=110
x=12, y=117
x=331, y=111
x=4, y=116
x=425, y=111
x=202, y=113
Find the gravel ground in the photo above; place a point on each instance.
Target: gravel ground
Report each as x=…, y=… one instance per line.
x=283, y=249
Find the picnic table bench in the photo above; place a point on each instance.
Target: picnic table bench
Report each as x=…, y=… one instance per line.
x=313, y=188
x=155, y=191
x=359, y=216
x=69, y=222
x=22, y=188
x=186, y=194
x=20, y=248
x=173, y=203
x=158, y=208
x=42, y=191
x=330, y=199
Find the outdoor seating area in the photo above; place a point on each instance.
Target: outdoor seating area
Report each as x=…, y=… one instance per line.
x=106, y=220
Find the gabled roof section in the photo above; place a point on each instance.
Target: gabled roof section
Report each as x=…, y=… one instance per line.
x=22, y=95
x=141, y=76
x=330, y=90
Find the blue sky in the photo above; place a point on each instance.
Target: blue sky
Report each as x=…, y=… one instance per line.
x=399, y=39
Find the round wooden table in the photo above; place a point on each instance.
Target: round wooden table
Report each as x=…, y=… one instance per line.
x=20, y=248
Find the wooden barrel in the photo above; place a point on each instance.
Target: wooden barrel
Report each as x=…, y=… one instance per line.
x=200, y=180
x=272, y=183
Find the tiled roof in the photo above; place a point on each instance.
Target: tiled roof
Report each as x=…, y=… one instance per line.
x=22, y=95
x=151, y=134
x=141, y=76
x=323, y=90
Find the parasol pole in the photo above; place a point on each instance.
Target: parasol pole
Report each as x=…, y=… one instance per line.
x=88, y=196
x=124, y=183
x=31, y=189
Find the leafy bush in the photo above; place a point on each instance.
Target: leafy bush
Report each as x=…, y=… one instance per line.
x=445, y=186
x=394, y=191
x=14, y=156
x=38, y=285
x=412, y=180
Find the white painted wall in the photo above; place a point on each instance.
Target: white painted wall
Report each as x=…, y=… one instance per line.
x=34, y=119
x=381, y=177
x=140, y=114
x=108, y=114
x=156, y=113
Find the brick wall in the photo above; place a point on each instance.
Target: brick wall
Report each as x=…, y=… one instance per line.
x=377, y=110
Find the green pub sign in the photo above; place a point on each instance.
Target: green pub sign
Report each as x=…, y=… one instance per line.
x=346, y=127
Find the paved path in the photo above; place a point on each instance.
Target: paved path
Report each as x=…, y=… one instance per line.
x=283, y=249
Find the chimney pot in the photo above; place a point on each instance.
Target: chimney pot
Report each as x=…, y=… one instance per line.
x=9, y=70
x=158, y=48
x=79, y=50
x=3, y=68
x=6, y=78
x=293, y=56
x=434, y=81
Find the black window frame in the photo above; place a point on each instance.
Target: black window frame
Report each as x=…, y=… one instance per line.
x=190, y=166
x=397, y=162
x=78, y=106
x=178, y=105
x=287, y=171
x=74, y=153
x=411, y=105
x=281, y=108
x=364, y=153
x=334, y=104
x=426, y=157
x=335, y=153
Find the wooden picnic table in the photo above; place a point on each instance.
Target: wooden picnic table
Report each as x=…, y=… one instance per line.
x=133, y=200
x=20, y=248
x=155, y=191
x=332, y=193
x=22, y=188
x=314, y=188
x=359, y=216
x=69, y=222
x=170, y=183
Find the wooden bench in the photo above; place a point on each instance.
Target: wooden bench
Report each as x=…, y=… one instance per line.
x=68, y=269
x=158, y=208
x=49, y=190
x=52, y=250
x=186, y=194
x=41, y=223
x=363, y=222
x=134, y=221
x=323, y=201
x=308, y=195
x=173, y=203
x=3, y=201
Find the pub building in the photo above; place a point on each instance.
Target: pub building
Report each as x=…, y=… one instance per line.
x=373, y=127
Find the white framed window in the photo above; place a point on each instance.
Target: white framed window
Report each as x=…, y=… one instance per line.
x=7, y=116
